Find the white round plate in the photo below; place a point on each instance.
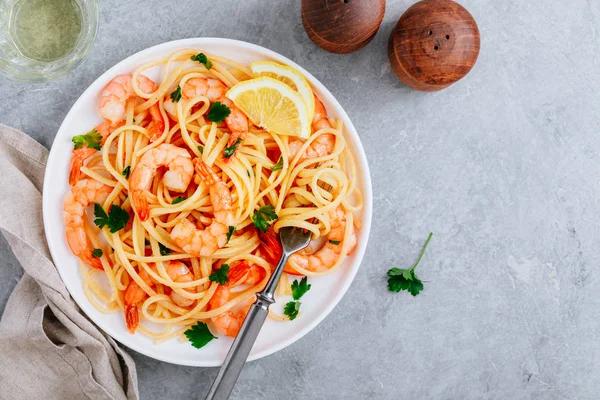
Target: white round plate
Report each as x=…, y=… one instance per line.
x=326, y=291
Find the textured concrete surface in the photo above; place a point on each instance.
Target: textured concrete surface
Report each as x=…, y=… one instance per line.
x=503, y=167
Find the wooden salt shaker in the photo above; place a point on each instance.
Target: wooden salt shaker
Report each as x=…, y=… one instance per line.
x=434, y=44
x=342, y=26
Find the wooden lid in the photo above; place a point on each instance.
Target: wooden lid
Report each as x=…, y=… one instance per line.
x=342, y=26
x=434, y=44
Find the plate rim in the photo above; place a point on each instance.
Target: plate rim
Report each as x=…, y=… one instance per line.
x=363, y=170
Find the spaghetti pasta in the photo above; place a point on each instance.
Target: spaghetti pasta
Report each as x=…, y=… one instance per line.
x=202, y=211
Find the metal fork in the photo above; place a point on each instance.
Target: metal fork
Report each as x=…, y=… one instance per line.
x=292, y=240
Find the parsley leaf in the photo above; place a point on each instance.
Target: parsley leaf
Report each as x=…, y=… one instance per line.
x=262, y=216
x=230, y=233
x=228, y=152
x=91, y=140
x=179, y=200
x=201, y=149
x=126, y=172
x=336, y=242
x=176, y=95
x=116, y=219
x=291, y=309
x=202, y=59
x=406, y=279
x=218, y=112
x=97, y=253
x=300, y=288
x=278, y=166
x=199, y=335
x=221, y=276
x=164, y=250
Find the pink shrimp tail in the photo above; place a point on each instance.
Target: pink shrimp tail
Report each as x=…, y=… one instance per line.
x=233, y=328
x=157, y=126
x=234, y=138
x=238, y=273
x=141, y=204
x=205, y=172
x=132, y=317
x=77, y=160
x=237, y=122
x=320, y=120
x=269, y=244
x=90, y=260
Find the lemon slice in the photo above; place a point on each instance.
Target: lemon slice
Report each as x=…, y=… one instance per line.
x=272, y=105
x=288, y=75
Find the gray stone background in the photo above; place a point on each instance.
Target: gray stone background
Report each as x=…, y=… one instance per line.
x=503, y=167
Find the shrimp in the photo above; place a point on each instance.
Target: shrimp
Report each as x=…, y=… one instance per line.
x=237, y=122
x=85, y=192
x=114, y=97
x=132, y=296
x=205, y=242
x=323, y=144
x=272, y=250
x=322, y=259
x=215, y=90
x=327, y=256
x=80, y=155
x=177, y=178
x=220, y=197
x=246, y=273
x=179, y=272
x=229, y=322
x=157, y=125
x=320, y=120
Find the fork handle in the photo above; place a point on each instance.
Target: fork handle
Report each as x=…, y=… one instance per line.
x=240, y=349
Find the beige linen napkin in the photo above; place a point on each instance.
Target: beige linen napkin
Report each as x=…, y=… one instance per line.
x=48, y=348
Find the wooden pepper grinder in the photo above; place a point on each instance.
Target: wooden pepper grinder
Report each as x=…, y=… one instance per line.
x=434, y=44
x=342, y=26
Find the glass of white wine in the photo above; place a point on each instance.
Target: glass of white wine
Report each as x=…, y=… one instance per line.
x=42, y=40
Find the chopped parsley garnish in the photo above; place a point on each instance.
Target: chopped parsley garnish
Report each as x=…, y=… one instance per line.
x=176, y=94
x=164, y=250
x=179, y=200
x=228, y=152
x=336, y=242
x=146, y=242
x=91, y=140
x=221, y=276
x=300, y=288
x=218, y=112
x=278, y=166
x=116, y=219
x=202, y=59
x=199, y=335
x=248, y=172
x=97, y=253
x=201, y=149
x=126, y=172
x=406, y=279
x=262, y=216
x=292, y=309
x=230, y=233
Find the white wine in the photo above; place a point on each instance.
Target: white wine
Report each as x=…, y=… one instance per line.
x=45, y=30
